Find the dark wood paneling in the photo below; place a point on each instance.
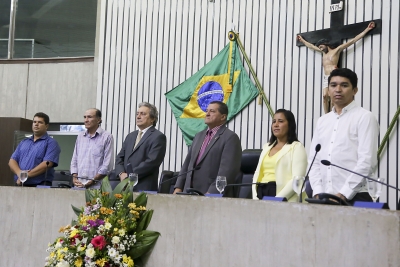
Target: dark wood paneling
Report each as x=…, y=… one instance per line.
x=7, y=128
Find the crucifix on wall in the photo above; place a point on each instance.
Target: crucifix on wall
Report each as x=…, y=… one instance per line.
x=329, y=41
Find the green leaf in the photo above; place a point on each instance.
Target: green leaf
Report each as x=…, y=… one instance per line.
x=90, y=194
x=144, y=220
x=145, y=240
x=119, y=189
x=77, y=211
x=105, y=185
x=141, y=200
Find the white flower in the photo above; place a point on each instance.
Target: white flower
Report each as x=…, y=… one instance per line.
x=101, y=227
x=115, y=240
x=107, y=226
x=112, y=253
x=121, y=232
x=121, y=247
x=90, y=252
x=62, y=263
x=58, y=245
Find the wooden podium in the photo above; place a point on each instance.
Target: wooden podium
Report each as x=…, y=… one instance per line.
x=8, y=127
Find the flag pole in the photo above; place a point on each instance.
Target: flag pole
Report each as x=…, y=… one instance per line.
x=389, y=130
x=235, y=37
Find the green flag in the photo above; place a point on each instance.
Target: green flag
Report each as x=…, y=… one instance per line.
x=221, y=79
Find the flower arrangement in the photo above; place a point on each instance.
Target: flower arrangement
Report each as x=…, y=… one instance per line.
x=109, y=231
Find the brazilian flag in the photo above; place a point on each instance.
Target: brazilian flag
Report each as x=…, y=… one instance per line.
x=221, y=79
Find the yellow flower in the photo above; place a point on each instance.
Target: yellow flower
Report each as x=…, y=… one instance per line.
x=127, y=260
x=101, y=262
x=106, y=211
x=60, y=254
x=131, y=205
x=73, y=233
x=62, y=229
x=105, y=193
x=118, y=196
x=81, y=248
x=78, y=262
x=84, y=218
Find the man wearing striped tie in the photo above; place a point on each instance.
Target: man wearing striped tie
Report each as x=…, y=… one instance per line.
x=144, y=149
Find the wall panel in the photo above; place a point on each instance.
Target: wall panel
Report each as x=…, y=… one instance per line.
x=150, y=47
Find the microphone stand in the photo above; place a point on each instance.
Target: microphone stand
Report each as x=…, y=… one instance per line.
x=317, y=149
x=325, y=162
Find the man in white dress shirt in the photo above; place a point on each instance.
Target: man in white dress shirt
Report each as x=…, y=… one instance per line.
x=349, y=138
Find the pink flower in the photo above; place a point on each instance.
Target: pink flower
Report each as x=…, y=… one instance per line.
x=99, y=242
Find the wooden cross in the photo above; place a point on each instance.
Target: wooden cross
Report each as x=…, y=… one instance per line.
x=338, y=31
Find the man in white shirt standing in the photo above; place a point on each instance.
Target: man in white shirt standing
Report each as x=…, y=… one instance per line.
x=349, y=138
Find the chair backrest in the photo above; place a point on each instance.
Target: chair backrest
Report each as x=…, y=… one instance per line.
x=166, y=185
x=249, y=163
x=61, y=179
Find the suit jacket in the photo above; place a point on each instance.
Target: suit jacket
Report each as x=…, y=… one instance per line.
x=291, y=161
x=222, y=157
x=145, y=159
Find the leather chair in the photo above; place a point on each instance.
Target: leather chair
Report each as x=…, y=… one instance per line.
x=166, y=184
x=61, y=181
x=249, y=163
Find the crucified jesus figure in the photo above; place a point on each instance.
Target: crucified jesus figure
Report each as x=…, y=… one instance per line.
x=330, y=58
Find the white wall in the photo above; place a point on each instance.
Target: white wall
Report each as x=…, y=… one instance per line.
x=61, y=90
x=147, y=48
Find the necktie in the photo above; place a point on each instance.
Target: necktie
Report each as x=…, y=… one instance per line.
x=203, y=146
x=139, y=136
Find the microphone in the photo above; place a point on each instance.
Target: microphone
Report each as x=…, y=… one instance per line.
x=176, y=176
x=328, y=163
x=317, y=149
x=45, y=174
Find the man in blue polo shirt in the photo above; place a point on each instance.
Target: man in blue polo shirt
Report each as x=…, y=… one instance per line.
x=36, y=154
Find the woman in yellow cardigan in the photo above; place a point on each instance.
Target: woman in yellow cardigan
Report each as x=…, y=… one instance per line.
x=282, y=158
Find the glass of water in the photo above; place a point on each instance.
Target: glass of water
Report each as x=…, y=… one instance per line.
x=134, y=179
x=375, y=188
x=23, y=176
x=220, y=183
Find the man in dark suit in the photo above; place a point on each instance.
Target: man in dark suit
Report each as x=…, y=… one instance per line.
x=144, y=149
x=215, y=151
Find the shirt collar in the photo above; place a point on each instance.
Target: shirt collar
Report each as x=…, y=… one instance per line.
x=214, y=130
x=99, y=131
x=145, y=130
x=42, y=137
x=346, y=108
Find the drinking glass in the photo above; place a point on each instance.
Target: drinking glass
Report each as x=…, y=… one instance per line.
x=83, y=178
x=220, y=183
x=134, y=178
x=298, y=182
x=23, y=176
x=375, y=188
